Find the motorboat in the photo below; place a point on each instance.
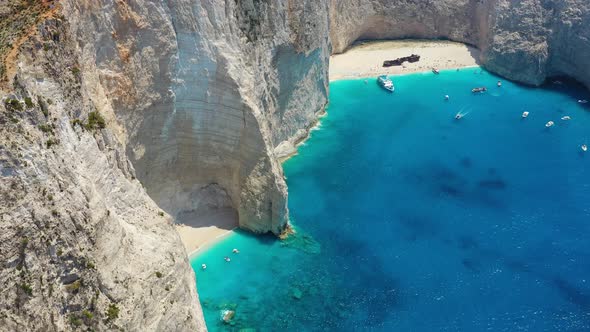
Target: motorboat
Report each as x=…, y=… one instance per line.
x=549, y=124
x=499, y=84
x=584, y=147
x=582, y=101
x=525, y=114
x=566, y=118
x=459, y=116
x=476, y=90
x=436, y=71
x=385, y=83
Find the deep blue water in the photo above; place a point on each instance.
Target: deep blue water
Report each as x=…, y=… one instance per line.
x=409, y=220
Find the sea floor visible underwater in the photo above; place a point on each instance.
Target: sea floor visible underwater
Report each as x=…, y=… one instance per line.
x=410, y=220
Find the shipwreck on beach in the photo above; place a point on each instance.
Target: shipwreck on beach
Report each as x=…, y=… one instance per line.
x=399, y=61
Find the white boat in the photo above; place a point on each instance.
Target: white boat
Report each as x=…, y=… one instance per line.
x=549, y=124
x=584, y=147
x=565, y=118
x=436, y=71
x=385, y=83
x=458, y=116
x=499, y=84
x=582, y=101
x=525, y=114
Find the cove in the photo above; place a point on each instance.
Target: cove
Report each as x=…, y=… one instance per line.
x=410, y=220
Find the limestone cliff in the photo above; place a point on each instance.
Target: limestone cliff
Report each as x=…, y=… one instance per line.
x=205, y=91
x=81, y=242
x=102, y=99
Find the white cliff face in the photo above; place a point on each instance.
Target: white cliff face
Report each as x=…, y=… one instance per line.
x=197, y=95
x=206, y=91
x=82, y=245
x=459, y=20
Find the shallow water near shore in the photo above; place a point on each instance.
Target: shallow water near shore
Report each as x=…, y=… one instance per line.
x=410, y=220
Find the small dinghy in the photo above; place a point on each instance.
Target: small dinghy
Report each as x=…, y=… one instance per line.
x=584, y=147
x=549, y=124
x=525, y=114
x=566, y=118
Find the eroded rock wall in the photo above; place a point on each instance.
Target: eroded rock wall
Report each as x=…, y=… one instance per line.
x=82, y=245
x=112, y=100
x=206, y=90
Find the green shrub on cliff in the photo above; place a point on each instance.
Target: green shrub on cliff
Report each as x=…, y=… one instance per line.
x=75, y=321
x=27, y=289
x=13, y=105
x=29, y=102
x=95, y=121
x=112, y=312
x=51, y=142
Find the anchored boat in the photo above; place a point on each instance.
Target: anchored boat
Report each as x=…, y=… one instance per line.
x=385, y=83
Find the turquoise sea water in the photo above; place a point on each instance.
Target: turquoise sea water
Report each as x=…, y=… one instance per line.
x=409, y=220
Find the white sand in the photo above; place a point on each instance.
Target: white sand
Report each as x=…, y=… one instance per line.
x=366, y=60
x=201, y=230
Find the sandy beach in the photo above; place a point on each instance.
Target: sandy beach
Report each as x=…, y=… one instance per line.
x=200, y=230
x=366, y=59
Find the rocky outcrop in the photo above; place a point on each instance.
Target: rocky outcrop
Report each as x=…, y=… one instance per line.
x=82, y=245
x=459, y=20
x=205, y=91
x=113, y=100
x=537, y=39
x=526, y=41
